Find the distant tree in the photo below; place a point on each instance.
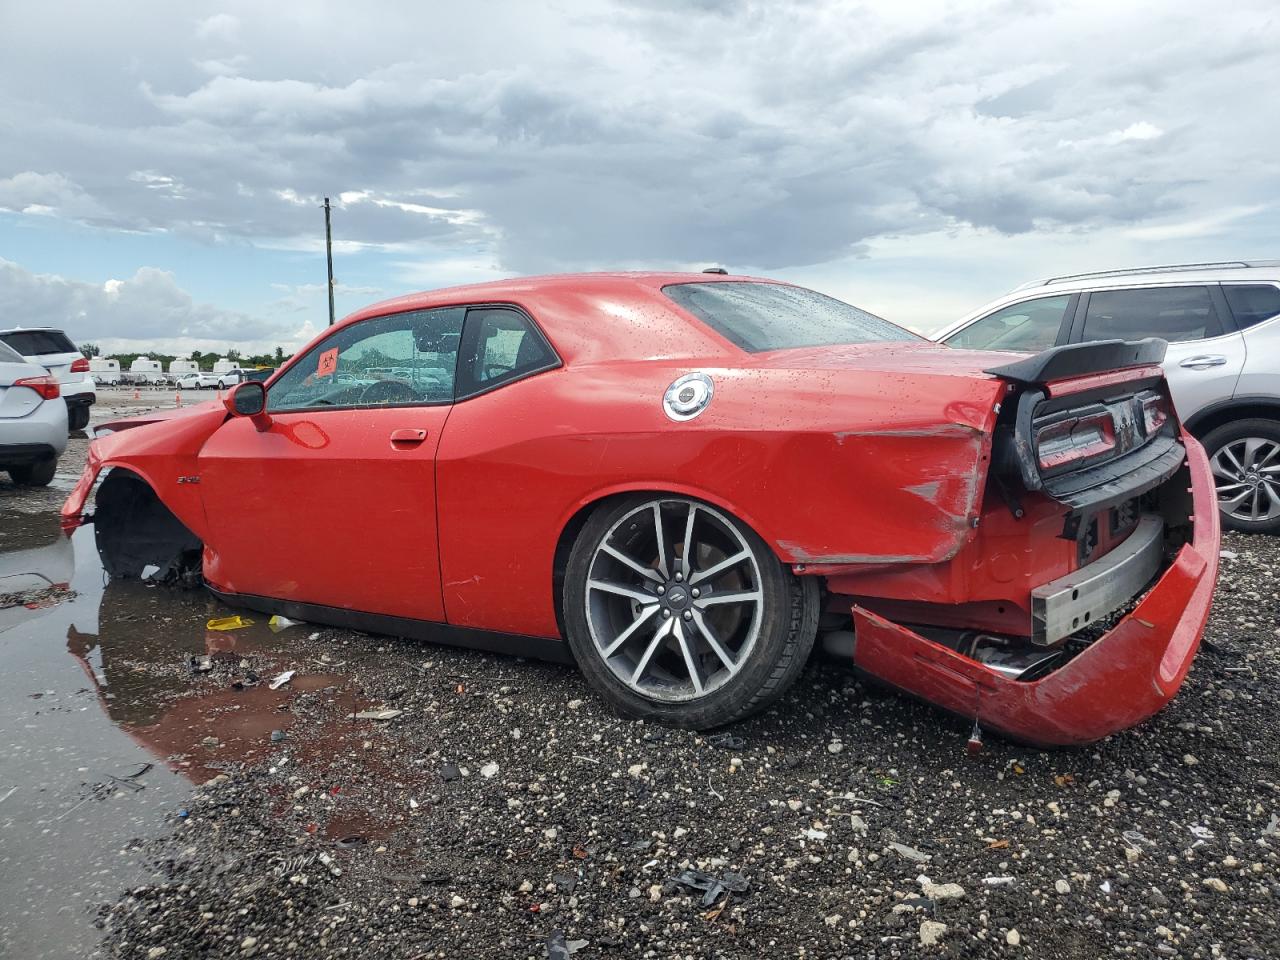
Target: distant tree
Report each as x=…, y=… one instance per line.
x=195, y=355
x=279, y=355
x=233, y=354
x=90, y=350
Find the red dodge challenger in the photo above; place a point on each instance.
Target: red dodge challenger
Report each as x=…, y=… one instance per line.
x=678, y=480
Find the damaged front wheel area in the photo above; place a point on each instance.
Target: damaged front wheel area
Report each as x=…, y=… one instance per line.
x=134, y=531
x=678, y=612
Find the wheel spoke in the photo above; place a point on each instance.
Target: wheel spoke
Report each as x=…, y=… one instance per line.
x=713, y=641
x=687, y=554
x=622, y=590
x=734, y=596
x=662, y=540
x=719, y=568
x=1251, y=447
x=1272, y=450
x=647, y=572
x=625, y=635
x=689, y=662
x=1226, y=453
x=1239, y=498
x=659, y=635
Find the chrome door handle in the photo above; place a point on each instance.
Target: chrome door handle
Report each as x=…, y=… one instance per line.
x=1203, y=363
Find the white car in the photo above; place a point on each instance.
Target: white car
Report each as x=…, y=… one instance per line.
x=1222, y=324
x=33, y=420
x=199, y=380
x=54, y=351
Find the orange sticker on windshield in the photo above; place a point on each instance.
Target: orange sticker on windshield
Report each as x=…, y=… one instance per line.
x=328, y=364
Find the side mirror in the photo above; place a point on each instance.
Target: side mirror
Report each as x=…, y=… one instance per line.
x=249, y=399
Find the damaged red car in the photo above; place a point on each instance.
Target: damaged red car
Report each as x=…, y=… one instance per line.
x=678, y=481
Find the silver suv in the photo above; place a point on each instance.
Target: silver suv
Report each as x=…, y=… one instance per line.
x=1222, y=322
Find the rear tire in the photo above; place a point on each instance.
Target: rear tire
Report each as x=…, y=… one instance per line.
x=1245, y=458
x=693, y=642
x=39, y=474
x=77, y=417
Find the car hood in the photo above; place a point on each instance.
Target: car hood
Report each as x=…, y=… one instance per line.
x=158, y=416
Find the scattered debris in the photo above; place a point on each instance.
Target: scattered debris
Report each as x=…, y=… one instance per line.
x=450, y=771
x=1201, y=833
x=385, y=713
x=277, y=736
x=726, y=741
x=999, y=881
x=728, y=882
x=910, y=853
x=1228, y=555
x=278, y=623
x=489, y=770
x=931, y=932
x=236, y=622
x=282, y=679
x=940, y=891
x=200, y=664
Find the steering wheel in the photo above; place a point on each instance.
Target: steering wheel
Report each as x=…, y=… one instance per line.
x=389, y=391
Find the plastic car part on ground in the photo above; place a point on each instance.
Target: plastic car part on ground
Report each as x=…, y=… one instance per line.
x=235, y=622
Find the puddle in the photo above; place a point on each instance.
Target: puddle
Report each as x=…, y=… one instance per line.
x=104, y=724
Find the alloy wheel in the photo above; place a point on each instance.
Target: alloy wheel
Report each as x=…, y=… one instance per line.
x=1247, y=475
x=674, y=599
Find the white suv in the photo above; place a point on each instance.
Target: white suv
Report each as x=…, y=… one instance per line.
x=54, y=351
x=1222, y=323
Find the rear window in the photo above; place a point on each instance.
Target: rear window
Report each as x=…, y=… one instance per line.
x=1252, y=303
x=8, y=355
x=36, y=343
x=771, y=316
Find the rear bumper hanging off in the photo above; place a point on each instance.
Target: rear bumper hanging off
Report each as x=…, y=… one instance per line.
x=1121, y=679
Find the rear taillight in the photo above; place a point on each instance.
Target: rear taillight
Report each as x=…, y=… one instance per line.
x=1155, y=413
x=1074, y=439
x=80, y=366
x=46, y=386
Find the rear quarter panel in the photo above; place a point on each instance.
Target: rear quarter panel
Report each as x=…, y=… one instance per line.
x=828, y=466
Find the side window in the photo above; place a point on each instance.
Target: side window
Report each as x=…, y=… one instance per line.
x=1031, y=325
x=1252, y=303
x=501, y=345
x=403, y=359
x=1171, y=313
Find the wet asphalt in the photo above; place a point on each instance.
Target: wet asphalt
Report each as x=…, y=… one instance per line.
x=159, y=799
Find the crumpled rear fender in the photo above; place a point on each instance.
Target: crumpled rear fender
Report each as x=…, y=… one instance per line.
x=163, y=453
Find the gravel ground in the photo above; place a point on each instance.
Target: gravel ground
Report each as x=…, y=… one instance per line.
x=504, y=809
x=504, y=812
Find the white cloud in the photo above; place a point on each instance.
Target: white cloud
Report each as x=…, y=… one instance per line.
x=220, y=26
x=146, y=309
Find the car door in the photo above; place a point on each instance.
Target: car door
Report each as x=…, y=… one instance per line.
x=1206, y=353
x=334, y=503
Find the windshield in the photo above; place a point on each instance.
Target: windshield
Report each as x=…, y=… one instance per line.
x=773, y=316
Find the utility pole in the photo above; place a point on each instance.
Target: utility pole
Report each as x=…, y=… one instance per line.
x=328, y=252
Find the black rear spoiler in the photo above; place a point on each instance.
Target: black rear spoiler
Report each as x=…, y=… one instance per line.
x=1080, y=359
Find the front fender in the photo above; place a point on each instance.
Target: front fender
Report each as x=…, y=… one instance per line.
x=164, y=453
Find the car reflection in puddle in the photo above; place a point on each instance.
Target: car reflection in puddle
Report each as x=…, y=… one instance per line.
x=82, y=784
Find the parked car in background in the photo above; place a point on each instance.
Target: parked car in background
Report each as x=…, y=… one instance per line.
x=199, y=380
x=1222, y=323
x=33, y=420
x=54, y=351
x=683, y=476
x=229, y=378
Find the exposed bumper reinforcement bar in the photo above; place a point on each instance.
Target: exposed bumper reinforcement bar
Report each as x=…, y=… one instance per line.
x=1063, y=606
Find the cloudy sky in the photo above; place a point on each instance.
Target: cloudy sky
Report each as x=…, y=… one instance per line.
x=162, y=164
